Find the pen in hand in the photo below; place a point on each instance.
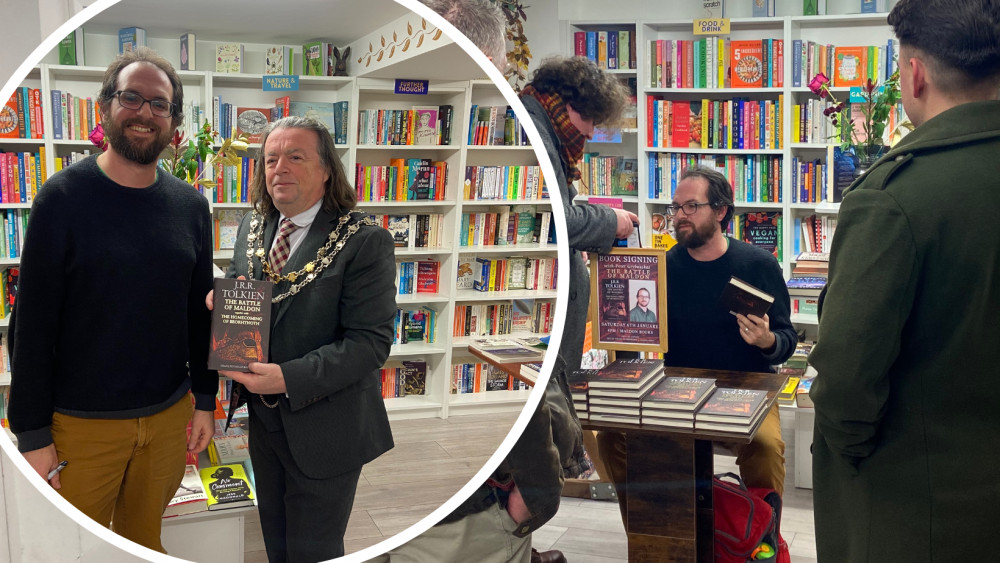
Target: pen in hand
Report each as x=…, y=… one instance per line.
x=54, y=472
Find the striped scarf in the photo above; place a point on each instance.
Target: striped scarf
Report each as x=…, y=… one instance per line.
x=571, y=139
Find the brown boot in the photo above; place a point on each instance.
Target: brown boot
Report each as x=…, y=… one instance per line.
x=551, y=556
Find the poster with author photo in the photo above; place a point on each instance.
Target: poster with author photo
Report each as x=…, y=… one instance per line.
x=628, y=297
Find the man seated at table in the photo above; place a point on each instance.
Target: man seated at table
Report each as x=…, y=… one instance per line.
x=703, y=333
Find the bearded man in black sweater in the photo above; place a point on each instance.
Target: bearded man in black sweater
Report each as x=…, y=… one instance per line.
x=110, y=333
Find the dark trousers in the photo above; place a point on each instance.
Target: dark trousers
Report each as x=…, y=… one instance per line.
x=303, y=520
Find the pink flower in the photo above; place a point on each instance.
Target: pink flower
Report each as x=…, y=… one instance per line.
x=97, y=137
x=817, y=83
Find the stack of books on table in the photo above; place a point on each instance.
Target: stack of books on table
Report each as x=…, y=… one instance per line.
x=674, y=401
x=616, y=391
x=731, y=410
x=579, y=385
x=190, y=496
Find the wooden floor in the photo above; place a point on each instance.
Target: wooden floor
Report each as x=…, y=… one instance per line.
x=585, y=531
x=394, y=492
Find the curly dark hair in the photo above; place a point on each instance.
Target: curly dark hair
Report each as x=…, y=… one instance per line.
x=339, y=192
x=961, y=37
x=141, y=55
x=593, y=93
x=720, y=192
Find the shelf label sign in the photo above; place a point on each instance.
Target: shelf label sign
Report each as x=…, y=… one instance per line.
x=719, y=26
x=280, y=82
x=408, y=86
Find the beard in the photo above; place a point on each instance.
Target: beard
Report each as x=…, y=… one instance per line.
x=147, y=153
x=696, y=236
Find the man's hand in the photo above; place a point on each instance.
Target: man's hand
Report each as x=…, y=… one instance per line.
x=626, y=222
x=756, y=331
x=209, y=301
x=44, y=460
x=266, y=379
x=202, y=428
x=516, y=508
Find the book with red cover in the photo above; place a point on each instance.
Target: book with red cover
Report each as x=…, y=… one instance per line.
x=679, y=393
x=252, y=122
x=735, y=406
x=427, y=276
x=241, y=324
x=740, y=297
x=746, y=64
x=626, y=374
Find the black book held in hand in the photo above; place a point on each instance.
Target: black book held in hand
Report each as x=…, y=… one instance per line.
x=739, y=297
x=241, y=324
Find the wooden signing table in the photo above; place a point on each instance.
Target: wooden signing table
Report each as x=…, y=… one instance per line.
x=669, y=515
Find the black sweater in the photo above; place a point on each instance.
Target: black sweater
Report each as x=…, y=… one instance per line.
x=111, y=302
x=701, y=333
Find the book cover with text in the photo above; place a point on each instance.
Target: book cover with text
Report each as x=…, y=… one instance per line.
x=241, y=323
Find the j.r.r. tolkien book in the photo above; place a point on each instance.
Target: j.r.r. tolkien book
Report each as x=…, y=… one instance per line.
x=626, y=374
x=227, y=486
x=733, y=406
x=241, y=324
x=678, y=394
x=739, y=297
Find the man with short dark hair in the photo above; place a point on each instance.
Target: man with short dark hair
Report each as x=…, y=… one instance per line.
x=906, y=399
x=110, y=334
x=316, y=410
x=641, y=313
x=703, y=333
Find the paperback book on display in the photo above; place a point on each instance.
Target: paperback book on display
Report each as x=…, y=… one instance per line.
x=190, y=496
x=241, y=323
x=630, y=374
x=731, y=410
x=678, y=394
x=506, y=351
x=227, y=486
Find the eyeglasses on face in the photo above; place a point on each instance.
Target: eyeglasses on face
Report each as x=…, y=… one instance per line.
x=131, y=100
x=690, y=208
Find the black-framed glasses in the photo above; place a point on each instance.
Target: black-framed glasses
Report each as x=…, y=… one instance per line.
x=690, y=208
x=131, y=100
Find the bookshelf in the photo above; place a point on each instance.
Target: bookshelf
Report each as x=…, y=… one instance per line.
x=839, y=30
x=361, y=93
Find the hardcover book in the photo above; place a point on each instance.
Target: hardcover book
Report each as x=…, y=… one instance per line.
x=626, y=374
x=849, y=66
x=739, y=297
x=278, y=60
x=227, y=486
x=413, y=375
x=252, y=122
x=736, y=406
x=678, y=393
x=188, y=52
x=71, y=48
x=739, y=425
x=131, y=37
x=746, y=63
x=763, y=8
x=190, y=496
x=763, y=229
x=229, y=57
x=241, y=324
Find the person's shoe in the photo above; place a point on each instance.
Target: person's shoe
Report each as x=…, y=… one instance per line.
x=551, y=556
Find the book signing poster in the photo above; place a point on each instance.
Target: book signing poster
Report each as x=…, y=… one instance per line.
x=628, y=297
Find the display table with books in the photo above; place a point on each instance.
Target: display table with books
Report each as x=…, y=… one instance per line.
x=669, y=514
x=519, y=358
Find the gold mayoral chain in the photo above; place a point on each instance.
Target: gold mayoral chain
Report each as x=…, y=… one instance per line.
x=309, y=272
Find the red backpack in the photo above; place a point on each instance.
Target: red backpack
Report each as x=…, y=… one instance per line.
x=747, y=522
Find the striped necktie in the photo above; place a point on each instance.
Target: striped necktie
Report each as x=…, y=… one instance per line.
x=282, y=247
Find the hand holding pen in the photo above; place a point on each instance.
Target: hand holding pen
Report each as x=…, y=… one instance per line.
x=54, y=472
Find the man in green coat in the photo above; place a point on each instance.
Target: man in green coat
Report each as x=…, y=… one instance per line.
x=907, y=401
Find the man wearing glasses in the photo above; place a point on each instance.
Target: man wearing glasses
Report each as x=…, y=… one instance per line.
x=110, y=333
x=703, y=334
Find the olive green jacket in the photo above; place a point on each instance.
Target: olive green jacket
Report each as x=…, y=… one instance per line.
x=905, y=464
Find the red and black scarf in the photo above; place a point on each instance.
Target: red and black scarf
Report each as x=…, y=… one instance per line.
x=571, y=139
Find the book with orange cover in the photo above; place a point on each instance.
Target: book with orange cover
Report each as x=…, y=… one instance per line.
x=746, y=64
x=849, y=66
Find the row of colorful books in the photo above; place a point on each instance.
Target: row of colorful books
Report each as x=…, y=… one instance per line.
x=815, y=234
x=404, y=179
x=609, y=49
x=738, y=123
x=504, y=182
x=516, y=272
x=637, y=391
x=416, y=230
x=499, y=319
x=715, y=62
x=756, y=178
x=21, y=116
x=403, y=379
x=421, y=125
x=417, y=277
x=505, y=225
x=479, y=377
x=21, y=174
x=609, y=175
x=217, y=487
x=845, y=66
x=415, y=325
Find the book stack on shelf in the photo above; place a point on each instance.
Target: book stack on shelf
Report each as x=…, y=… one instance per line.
x=674, y=401
x=579, y=388
x=786, y=396
x=616, y=391
x=507, y=350
x=808, y=279
x=227, y=486
x=190, y=496
x=531, y=371
x=732, y=410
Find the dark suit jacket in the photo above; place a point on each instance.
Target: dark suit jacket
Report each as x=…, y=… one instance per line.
x=330, y=340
